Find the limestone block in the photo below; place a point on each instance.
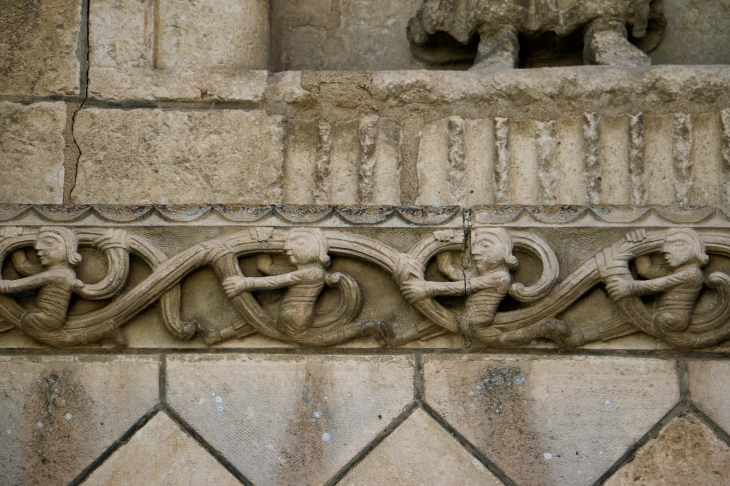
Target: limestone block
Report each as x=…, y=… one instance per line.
x=178, y=50
x=419, y=451
x=161, y=453
x=289, y=420
x=58, y=414
x=709, y=390
x=31, y=153
x=551, y=421
x=38, y=48
x=685, y=452
x=353, y=162
x=343, y=34
x=698, y=32
x=156, y=156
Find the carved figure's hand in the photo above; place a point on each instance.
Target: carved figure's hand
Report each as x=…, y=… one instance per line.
x=620, y=289
x=236, y=285
x=78, y=285
x=636, y=236
x=415, y=291
x=4, y=287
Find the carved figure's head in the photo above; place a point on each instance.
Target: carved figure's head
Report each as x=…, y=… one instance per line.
x=307, y=245
x=57, y=246
x=682, y=246
x=492, y=248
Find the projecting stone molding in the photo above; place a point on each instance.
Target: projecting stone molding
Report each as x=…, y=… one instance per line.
x=321, y=276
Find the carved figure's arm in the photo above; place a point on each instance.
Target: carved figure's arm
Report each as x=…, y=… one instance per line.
x=28, y=283
x=417, y=290
x=265, y=264
x=647, y=269
x=24, y=265
x=237, y=285
x=654, y=286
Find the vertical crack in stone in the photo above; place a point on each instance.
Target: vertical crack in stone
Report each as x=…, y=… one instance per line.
x=592, y=158
x=322, y=164
x=637, y=150
x=501, y=166
x=457, y=161
x=725, y=115
x=547, y=163
x=368, y=132
x=682, y=158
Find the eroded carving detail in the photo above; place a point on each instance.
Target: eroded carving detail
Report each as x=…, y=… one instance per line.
x=667, y=264
x=636, y=159
x=592, y=157
x=682, y=160
x=499, y=23
x=501, y=166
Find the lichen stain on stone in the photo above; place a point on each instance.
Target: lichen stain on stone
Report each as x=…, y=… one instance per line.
x=55, y=448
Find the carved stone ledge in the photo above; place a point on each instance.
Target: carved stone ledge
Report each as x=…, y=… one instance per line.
x=495, y=276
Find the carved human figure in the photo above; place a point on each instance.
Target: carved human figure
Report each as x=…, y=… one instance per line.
x=678, y=280
x=54, y=279
x=498, y=23
x=304, y=280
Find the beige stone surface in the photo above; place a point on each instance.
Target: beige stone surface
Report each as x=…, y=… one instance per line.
x=419, y=451
x=161, y=454
x=685, y=452
x=289, y=420
x=551, y=421
x=342, y=34
x=157, y=156
x=710, y=390
x=38, y=47
x=178, y=50
x=31, y=152
x=698, y=32
x=58, y=414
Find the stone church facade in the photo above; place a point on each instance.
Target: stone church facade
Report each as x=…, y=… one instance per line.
x=288, y=242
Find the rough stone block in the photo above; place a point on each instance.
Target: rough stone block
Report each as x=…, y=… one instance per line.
x=710, y=391
x=551, y=421
x=176, y=49
x=38, y=47
x=343, y=34
x=685, y=452
x=289, y=420
x=155, y=156
x=419, y=451
x=31, y=153
x=161, y=453
x=58, y=414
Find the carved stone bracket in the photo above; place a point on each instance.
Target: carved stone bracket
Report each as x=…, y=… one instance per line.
x=323, y=276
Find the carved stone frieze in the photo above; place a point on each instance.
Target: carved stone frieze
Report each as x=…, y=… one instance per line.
x=324, y=276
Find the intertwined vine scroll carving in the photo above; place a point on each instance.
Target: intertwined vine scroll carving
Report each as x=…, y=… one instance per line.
x=478, y=269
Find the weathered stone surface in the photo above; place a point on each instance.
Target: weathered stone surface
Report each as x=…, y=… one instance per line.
x=156, y=156
x=685, y=452
x=38, y=47
x=710, y=390
x=546, y=421
x=419, y=451
x=58, y=414
x=343, y=34
x=289, y=420
x=31, y=153
x=178, y=50
x=698, y=32
x=161, y=454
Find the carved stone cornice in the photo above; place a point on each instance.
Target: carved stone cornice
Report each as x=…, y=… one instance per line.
x=499, y=276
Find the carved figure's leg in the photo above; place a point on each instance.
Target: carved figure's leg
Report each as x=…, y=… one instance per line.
x=498, y=49
x=212, y=335
x=606, y=43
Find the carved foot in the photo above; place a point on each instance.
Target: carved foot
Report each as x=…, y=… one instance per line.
x=558, y=332
x=497, y=50
x=606, y=43
x=116, y=336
